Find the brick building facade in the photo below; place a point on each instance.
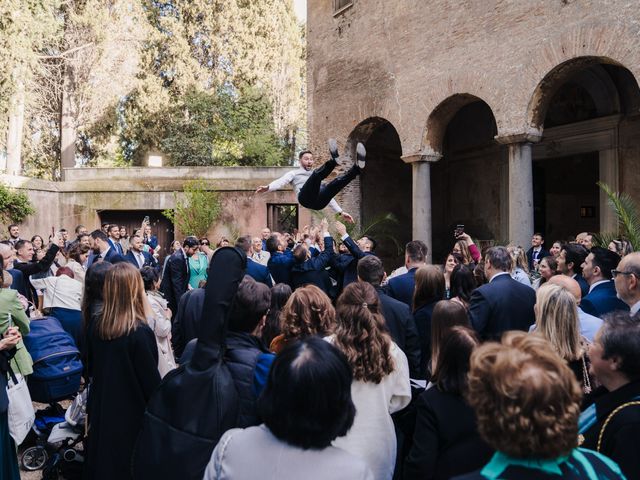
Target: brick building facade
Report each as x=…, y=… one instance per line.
x=500, y=115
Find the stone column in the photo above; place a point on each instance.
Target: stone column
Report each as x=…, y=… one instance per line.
x=520, y=186
x=421, y=205
x=608, y=163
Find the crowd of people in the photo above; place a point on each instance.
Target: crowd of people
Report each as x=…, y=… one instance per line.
x=502, y=362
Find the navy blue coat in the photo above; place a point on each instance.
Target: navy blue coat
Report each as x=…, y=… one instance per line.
x=543, y=253
x=279, y=266
x=402, y=327
x=313, y=270
x=259, y=273
x=401, y=287
x=422, y=317
x=347, y=263
x=18, y=283
x=602, y=300
x=149, y=260
x=500, y=305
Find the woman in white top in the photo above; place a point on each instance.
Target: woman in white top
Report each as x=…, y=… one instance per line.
x=78, y=261
x=159, y=320
x=380, y=378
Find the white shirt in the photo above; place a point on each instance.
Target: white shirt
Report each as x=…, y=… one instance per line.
x=139, y=258
x=62, y=291
x=635, y=308
x=297, y=178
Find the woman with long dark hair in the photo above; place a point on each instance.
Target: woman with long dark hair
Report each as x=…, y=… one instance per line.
x=280, y=294
x=462, y=285
x=380, y=377
x=123, y=364
x=446, y=442
x=429, y=290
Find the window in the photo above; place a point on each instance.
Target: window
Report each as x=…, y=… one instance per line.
x=282, y=217
x=340, y=5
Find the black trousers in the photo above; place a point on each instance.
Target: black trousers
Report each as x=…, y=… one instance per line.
x=314, y=195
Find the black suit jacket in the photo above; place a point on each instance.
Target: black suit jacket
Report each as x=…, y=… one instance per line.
x=186, y=320
x=399, y=321
x=620, y=438
x=31, y=268
x=446, y=441
x=175, y=281
x=543, y=253
x=500, y=305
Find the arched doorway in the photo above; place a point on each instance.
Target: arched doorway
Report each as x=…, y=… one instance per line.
x=466, y=183
x=584, y=108
x=385, y=187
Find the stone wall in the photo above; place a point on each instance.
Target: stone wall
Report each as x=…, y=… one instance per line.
x=416, y=64
x=87, y=192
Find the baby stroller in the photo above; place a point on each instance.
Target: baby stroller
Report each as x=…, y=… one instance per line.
x=58, y=434
x=57, y=372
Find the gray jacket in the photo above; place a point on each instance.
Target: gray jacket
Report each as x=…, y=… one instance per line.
x=254, y=452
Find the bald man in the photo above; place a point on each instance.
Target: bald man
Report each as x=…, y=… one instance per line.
x=627, y=280
x=589, y=324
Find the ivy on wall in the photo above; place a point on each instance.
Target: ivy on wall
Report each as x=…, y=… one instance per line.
x=14, y=206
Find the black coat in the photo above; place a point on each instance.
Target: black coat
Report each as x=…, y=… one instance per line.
x=347, y=263
x=620, y=439
x=402, y=327
x=125, y=374
x=500, y=305
x=175, y=281
x=446, y=440
x=31, y=268
x=186, y=320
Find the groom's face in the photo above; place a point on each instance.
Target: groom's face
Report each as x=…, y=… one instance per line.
x=306, y=161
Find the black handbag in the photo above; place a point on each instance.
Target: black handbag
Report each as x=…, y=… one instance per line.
x=196, y=403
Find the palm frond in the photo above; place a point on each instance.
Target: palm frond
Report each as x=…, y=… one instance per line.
x=627, y=212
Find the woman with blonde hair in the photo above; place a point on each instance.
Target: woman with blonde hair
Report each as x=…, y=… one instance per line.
x=520, y=271
x=123, y=364
x=307, y=312
x=380, y=377
x=557, y=321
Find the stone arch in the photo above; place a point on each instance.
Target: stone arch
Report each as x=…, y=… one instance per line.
x=581, y=108
x=385, y=186
x=603, y=90
x=439, y=119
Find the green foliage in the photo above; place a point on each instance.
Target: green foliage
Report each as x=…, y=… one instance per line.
x=382, y=227
x=628, y=218
x=14, y=206
x=198, y=209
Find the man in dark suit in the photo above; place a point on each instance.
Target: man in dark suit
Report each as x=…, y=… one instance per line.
x=397, y=316
x=597, y=271
x=24, y=263
x=308, y=270
x=101, y=250
x=114, y=239
x=175, y=281
x=347, y=263
x=537, y=251
x=258, y=272
x=137, y=256
x=503, y=303
x=401, y=287
x=7, y=253
x=627, y=280
x=570, y=262
x=281, y=260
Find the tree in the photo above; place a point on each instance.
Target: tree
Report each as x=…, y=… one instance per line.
x=197, y=210
x=628, y=218
x=14, y=206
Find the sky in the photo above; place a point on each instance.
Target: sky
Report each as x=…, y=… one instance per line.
x=300, y=7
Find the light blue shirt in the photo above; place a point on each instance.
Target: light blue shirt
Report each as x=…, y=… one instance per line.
x=589, y=324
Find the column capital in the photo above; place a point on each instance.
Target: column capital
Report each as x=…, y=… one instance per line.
x=420, y=157
x=530, y=135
